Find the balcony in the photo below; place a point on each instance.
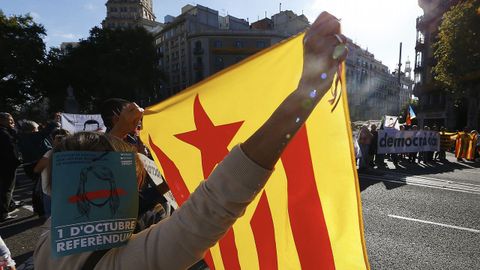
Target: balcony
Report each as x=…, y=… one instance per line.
x=419, y=67
x=420, y=45
x=421, y=22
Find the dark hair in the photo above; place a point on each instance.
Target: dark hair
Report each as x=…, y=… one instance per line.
x=4, y=115
x=110, y=108
x=28, y=126
x=91, y=122
x=59, y=131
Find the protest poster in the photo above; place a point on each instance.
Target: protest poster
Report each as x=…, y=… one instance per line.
x=82, y=122
x=157, y=177
x=391, y=122
x=151, y=168
x=94, y=201
x=391, y=141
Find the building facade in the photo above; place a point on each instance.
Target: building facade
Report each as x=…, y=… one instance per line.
x=372, y=90
x=436, y=106
x=123, y=14
x=199, y=43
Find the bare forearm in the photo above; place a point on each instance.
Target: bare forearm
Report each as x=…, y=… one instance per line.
x=267, y=144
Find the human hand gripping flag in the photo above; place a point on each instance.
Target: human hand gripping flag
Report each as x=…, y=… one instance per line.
x=309, y=214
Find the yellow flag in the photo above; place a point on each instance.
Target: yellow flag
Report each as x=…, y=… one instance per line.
x=309, y=214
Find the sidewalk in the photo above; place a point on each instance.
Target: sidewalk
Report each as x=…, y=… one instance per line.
x=21, y=234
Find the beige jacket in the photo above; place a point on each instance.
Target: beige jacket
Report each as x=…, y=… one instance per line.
x=182, y=239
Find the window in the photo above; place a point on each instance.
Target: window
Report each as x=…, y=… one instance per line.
x=420, y=37
x=219, y=64
x=217, y=44
x=261, y=44
x=198, y=45
x=238, y=44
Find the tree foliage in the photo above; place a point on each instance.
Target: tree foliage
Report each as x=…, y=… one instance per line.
x=109, y=63
x=457, y=50
x=21, y=53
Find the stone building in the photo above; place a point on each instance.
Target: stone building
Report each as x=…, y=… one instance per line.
x=436, y=106
x=199, y=42
x=372, y=90
x=130, y=13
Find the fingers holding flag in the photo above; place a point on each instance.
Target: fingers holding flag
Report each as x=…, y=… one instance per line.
x=324, y=49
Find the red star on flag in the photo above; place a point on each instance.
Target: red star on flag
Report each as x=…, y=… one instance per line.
x=211, y=140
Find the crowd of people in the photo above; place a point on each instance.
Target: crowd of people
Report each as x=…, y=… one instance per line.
x=464, y=144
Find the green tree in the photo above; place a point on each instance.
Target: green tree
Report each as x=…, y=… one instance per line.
x=457, y=49
x=109, y=63
x=21, y=53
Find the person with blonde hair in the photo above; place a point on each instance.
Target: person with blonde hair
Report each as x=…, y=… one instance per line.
x=182, y=239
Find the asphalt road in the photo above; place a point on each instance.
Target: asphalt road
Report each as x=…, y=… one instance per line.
x=423, y=218
x=416, y=217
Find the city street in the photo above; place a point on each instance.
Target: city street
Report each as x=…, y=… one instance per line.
x=423, y=218
x=416, y=217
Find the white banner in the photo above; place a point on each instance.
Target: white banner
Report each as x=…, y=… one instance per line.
x=82, y=122
x=392, y=141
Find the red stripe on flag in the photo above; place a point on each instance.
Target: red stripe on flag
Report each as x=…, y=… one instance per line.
x=176, y=184
x=229, y=251
x=304, y=207
x=175, y=180
x=264, y=234
x=99, y=194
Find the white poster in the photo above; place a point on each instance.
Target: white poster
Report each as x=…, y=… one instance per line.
x=391, y=122
x=392, y=141
x=157, y=177
x=82, y=122
x=151, y=169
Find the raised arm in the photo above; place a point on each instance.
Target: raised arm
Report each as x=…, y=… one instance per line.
x=182, y=239
x=322, y=54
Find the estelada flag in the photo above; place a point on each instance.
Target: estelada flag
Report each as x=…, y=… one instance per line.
x=309, y=214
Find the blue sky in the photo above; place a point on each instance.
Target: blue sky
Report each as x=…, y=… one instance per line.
x=379, y=25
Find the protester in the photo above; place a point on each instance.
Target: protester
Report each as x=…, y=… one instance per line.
x=122, y=119
x=427, y=156
x=402, y=156
x=42, y=168
x=6, y=261
x=445, y=144
x=10, y=159
x=413, y=156
x=461, y=145
x=30, y=142
x=372, y=150
x=182, y=239
x=473, y=145
x=364, y=140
